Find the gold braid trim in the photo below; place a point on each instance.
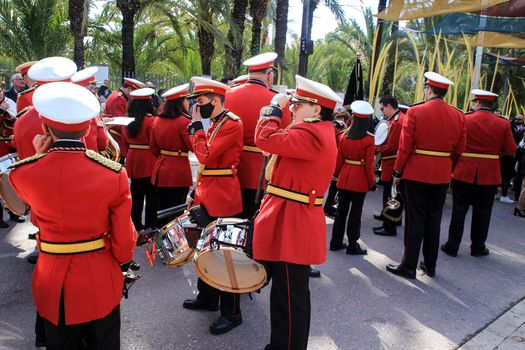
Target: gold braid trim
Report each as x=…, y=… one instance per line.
x=103, y=160
x=28, y=160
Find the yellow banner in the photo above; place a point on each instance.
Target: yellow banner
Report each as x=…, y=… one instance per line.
x=493, y=39
x=399, y=10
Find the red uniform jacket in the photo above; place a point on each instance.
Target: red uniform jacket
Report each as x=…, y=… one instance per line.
x=220, y=195
x=25, y=98
x=486, y=134
x=76, y=199
x=26, y=128
x=170, y=136
x=355, y=177
x=96, y=139
x=286, y=230
x=246, y=101
x=140, y=161
x=389, y=149
x=432, y=126
x=117, y=106
x=4, y=145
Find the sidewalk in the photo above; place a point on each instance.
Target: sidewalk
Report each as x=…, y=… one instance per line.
x=507, y=332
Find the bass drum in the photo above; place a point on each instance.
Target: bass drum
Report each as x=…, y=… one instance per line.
x=381, y=133
x=11, y=199
x=222, y=259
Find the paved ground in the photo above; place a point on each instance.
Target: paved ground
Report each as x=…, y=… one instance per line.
x=355, y=305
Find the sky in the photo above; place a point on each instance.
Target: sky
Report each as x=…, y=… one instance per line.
x=324, y=20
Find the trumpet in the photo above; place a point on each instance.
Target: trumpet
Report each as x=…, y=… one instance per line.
x=393, y=203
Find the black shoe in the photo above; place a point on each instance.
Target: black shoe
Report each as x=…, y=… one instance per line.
x=379, y=217
x=339, y=246
x=32, y=236
x=385, y=232
x=40, y=342
x=225, y=324
x=429, y=272
x=445, y=248
x=134, y=266
x=483, y=252
x=16, y=218
x=401, y=271
x=315, y=273
x=398, y=223
x=32, y=259
x=4, y=224
x=355, y=250
x=197, y=304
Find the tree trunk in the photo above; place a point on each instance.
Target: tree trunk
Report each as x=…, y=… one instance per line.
x=258, y=12
x=388, y=80
x=281, y=27
x=235, y=34
x=313, y=6
x=380, y=22
x=206, y=49
x=129, y=9
x=76, y=20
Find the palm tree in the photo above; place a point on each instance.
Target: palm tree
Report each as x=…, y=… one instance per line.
x=281, y=27
x=258, y=10
x=78, y=18
x=129, y=10
x=33, y=29
x=235, y=34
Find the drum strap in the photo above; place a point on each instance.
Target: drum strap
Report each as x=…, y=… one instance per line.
x=480, y=155
x=138, y=146
x=432, y=153
x=295, y=196
x=72, y=247
x=231, y=269
x=253, y=149
x=178, y=153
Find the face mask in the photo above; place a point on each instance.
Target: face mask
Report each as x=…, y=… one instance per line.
x=206, y=110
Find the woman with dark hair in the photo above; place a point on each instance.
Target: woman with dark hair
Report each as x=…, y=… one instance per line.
x=140, y=160
x=170, y=142
x=355, y=172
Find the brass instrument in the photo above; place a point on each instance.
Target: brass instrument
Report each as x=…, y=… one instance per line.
x=393, y=203
x=112, y=150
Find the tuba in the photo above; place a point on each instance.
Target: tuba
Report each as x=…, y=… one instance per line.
x=112, y=150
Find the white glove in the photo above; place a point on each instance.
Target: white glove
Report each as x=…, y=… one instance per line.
x=281, y=100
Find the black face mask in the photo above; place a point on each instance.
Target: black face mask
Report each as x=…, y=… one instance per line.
x=206, y=110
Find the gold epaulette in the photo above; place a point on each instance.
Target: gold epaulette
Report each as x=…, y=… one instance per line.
x=311, y=120
x=108, y=163
x=25, y=109
x=416, y=104
x=370, y=134
x=26, y=91
x=232, y=116
x=28, y=160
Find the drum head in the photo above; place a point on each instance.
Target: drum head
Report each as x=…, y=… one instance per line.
x=381, y=133
x=10, y=197
x=230, y=270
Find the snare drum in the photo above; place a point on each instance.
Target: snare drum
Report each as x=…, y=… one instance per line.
x=176, y=241
x=8, y=194
x=222, y=259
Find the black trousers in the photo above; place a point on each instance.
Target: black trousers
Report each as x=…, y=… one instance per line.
x=142, y=188
x=353, y=229
x=289, y=305
x=481, y=198
x=230, y=303
x=332, y=192
x=249, y=207
x=423, y=210
x=168, y=197
x=101, y=334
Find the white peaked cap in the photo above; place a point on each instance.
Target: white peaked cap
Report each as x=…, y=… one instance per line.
x=312, y=91
x=484, y=95
x=262, y=61
x=241, y=79
x=361, y=109
x=438, y=80
x=177, y=92
x=142, y=94
x=134, y=83
x=65, y=106
x=85, y=76
x=52, y=69
x=208, y=86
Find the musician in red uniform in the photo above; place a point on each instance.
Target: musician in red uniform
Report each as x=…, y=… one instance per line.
x=388, y=151
x=140, y=160
x=432, y=132
x=246, y=101
x=355, y=177
x=24, y=99
x=290, y=230
x=217, y=189
x=477, y=174
x=170, y=143
x=117, y=106
x=83, y=204
x=96, y=138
